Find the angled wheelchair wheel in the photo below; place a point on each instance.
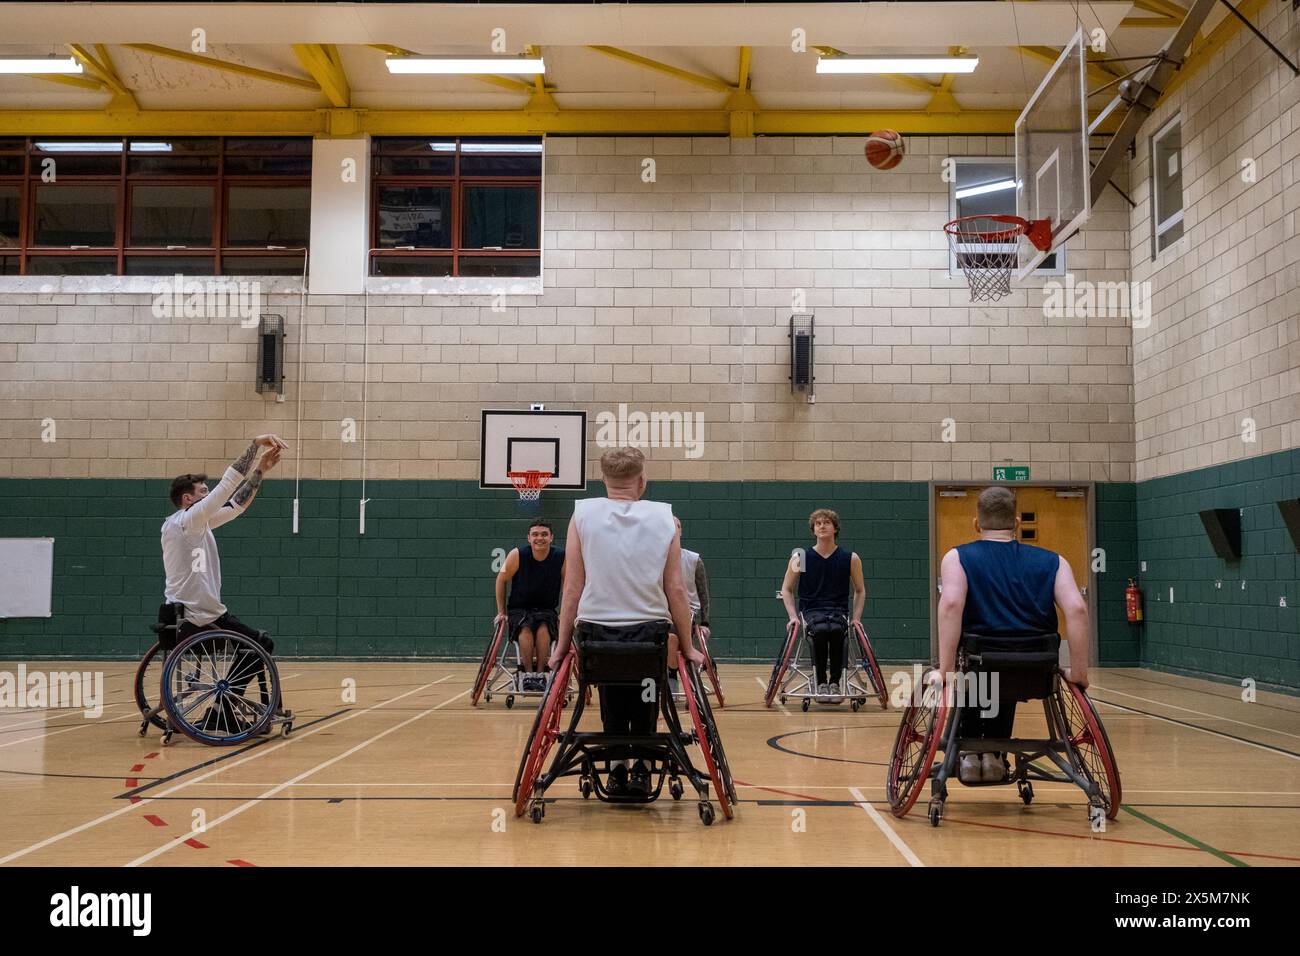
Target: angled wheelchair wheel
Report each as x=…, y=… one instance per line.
x=706, y=731
x=914, y=748
x=782, y=664
x=485, y=667
x=148, y=680
x=712, y=670
x=220, y=687
x=1094, y=758
x=546, y=730
x=873, y=669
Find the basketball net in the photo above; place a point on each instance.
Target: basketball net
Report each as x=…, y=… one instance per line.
x=529, y=484
x=985, y=250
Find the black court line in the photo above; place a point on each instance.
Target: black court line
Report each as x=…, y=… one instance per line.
x=503, y=798
x=226, y=756
x=1208, y=730
x=71, y=776
x=1235, y=698
x=774, y=743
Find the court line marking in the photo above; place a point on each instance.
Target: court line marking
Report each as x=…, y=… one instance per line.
x=763, y=684
x=260, y=752
x=1152, y=821
x=1206, y=730
x=1198, y=713
x=885, y=828
x=249, y=804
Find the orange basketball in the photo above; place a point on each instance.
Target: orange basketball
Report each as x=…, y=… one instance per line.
x=884, y=149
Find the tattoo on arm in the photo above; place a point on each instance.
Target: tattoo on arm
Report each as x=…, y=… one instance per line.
x=247, y=489
x=245, y=460
x=702, y=589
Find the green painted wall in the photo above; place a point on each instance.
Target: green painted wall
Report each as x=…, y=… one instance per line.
x=1225, y=631
x=419, y=582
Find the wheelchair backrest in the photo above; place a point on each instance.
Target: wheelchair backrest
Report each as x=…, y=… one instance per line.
x=609, y=655
x=1025, y=665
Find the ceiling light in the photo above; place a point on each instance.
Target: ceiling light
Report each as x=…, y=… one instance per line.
x=511, y=65
x=897, y=64
x=40, y=65
x=983, y=188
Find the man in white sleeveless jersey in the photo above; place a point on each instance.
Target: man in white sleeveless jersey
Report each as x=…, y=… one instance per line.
x=623, y=582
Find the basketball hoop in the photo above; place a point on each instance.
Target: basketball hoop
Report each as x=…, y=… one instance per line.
x=985, y=248
x=529, y=484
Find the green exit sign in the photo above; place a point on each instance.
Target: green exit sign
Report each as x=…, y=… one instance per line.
x=1011, y=473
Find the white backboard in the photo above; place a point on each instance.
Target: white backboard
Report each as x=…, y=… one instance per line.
x=513, y=440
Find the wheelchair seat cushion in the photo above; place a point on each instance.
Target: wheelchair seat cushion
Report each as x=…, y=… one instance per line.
x=621, y=655
x=826, y=622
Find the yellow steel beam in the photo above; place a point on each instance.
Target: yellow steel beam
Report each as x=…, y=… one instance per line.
x=1202, y=53
x=1097, y=72
x=698, y=79
x=323, y=63
x=742, y=81
x=541, y=93
x=1149, y=22
x=337, y=122
x=103, y=71
x=212, y=63
x=1164, y=7
x=943, y=101
x=81, y=82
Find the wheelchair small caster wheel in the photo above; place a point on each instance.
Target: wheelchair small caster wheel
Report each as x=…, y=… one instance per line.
x=144, y=728
x=675, y=788
x=706, y=813
x=856, y=706
x=537, y=811
x=510, y=701
x=585, y=788
x=488, y=698
x=167, y=737
x=805, y=705
x=783, y=698
x=935, y=812
x=286, y=728
x=1026, y=791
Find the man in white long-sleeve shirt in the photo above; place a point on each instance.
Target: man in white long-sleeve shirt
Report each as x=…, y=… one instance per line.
x=623, y=581
x=190, y=558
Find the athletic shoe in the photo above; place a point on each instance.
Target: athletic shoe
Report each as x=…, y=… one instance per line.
x=640, y=780
x=833, y=692
x=616, y=781
x=970, y=771
x=993, y=768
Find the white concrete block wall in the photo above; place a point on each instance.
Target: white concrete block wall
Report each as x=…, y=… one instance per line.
x=1224, y=343
x=671, y=295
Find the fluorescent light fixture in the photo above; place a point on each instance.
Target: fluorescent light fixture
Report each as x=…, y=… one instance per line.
x=500, y=147
x=897, y=64
x=150, y=147
x=511, y=65
x=75, y=147
x=40, y=65
x=983, y=188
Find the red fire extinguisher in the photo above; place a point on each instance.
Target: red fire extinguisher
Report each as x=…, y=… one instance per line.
x=1133, y=602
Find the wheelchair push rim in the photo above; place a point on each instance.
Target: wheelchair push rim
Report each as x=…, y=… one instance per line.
x=706, y=732
x=149, y=672
x=1090, y=745
x=199, y=676
x=485, y=667
x=546, y=730
x=915, y=747
x=711, y=668
x=781, y=665
x=873, y=669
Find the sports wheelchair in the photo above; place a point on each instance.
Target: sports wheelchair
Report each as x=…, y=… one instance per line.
x=499, y=670
x=589, y=755
x=860, y=679
x=714, y=686
x=1076, y=742
x=202, y=685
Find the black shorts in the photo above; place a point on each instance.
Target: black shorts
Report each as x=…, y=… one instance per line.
x=519, y=618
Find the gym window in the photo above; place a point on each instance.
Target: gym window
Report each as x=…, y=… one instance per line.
x=456, y=206
x=986, y=186
x=1166, y=186
x=154, y=205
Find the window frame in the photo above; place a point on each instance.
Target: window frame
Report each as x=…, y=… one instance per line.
x=210, y=256
x=1160, y=228
x=457, y=183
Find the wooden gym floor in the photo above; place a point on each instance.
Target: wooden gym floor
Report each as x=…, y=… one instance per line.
x=411, y=774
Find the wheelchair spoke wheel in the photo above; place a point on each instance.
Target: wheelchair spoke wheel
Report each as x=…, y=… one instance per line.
x=219, y=687
x=1092, y=754
x=546, y=730
x=485, y=667
x=712, y=670
x=148, y=682
x=914, y=749
x=873, y=669
x=706, y=730
x=781, y=665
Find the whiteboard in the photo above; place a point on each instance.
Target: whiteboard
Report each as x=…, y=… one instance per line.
x=26, y=576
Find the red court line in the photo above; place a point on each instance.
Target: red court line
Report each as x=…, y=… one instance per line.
x=132, y=783
x=240, y=863
x=150, y=756
x=784, y=793
x=137, y=768
x=196, y=844
x=136, y=799
x=155, y=820
x=1080, y=836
